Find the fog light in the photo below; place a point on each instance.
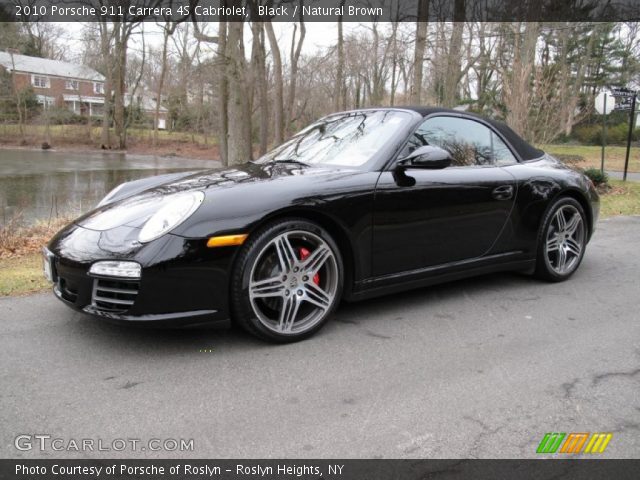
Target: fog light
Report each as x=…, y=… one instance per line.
x=116, y=269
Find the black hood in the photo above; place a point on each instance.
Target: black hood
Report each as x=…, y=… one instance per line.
x=135, y=209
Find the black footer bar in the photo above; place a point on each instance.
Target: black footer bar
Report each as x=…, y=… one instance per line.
x=162, y=469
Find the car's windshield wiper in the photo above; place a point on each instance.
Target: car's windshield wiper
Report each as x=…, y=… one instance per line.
x=290, y=160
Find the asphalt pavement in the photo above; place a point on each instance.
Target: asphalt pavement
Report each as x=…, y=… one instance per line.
x=632, y=176
x=476, y=368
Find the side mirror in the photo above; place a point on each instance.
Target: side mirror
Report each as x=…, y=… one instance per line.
x=427, y=156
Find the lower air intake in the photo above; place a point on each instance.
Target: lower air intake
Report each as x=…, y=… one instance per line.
x=114, y=295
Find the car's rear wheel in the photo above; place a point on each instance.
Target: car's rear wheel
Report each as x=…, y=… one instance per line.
x=561, y=241
x=287, y=281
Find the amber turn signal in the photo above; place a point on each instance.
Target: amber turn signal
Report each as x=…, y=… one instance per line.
x=226, y=240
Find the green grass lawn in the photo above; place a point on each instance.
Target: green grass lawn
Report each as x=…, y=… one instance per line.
x=86, y=134
x=623, y=199
x=22, y=275
x=613, y=159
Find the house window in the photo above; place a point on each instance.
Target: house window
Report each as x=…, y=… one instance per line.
x=48, y=102
x=40, y=82
x=98, y=87
x=72, y=85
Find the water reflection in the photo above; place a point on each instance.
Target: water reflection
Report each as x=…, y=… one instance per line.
x=44, y=184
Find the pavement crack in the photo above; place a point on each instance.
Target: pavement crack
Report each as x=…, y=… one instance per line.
x=485, y=431
x=377, y=335
x=569, y=387
x=605, y=376
x=128, y=385
x=347, y=321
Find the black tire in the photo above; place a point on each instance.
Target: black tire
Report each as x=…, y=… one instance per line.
x=257, y=249
x=546, y=266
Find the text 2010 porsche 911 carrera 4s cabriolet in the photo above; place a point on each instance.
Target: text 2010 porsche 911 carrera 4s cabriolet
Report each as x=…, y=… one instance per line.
x=358, y=204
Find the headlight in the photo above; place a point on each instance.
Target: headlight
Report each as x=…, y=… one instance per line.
x=175, y=210
x=116, y=269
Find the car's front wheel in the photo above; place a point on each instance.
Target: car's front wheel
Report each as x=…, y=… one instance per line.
x=287, y=281
x=561, y=241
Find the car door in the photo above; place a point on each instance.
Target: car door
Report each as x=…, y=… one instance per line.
x=427, y=217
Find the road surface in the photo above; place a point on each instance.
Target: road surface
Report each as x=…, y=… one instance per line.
x=477, y=368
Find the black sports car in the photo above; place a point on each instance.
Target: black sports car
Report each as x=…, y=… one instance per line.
x=360, y=203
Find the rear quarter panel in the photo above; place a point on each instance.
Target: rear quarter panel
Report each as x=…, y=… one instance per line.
x=540, y=183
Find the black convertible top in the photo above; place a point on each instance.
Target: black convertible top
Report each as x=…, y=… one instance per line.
x=524, y=149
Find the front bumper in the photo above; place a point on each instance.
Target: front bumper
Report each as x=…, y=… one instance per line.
x=182, y=281
x=173, y=319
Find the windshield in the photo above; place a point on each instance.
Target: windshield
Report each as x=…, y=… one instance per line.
x=346, y=139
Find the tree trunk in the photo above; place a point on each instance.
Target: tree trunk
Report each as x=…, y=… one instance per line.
x=260, y=81
x=278, y=109
x=223, y=92
x=223, y=86
x=120, y=49
x=168, y=30
x=394, y=62
x=108, y=86
x=295, y=56
x=517, y=82
x=421, y=44
x=239, y=137
x=572, y=101
x=340, y=100
x=452, y=76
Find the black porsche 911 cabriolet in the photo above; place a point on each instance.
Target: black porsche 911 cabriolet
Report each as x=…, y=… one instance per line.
x=358, y=204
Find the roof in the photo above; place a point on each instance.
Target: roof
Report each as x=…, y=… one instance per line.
x=524, y=149
x=46, y=66
x=84, y=99
x=147, y=103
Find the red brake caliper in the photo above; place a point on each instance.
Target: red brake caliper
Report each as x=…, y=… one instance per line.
x=304, y=253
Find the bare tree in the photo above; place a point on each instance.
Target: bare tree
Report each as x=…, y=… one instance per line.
x=132, y=85
x=168, y=29
x=121, y=35
x=420, y=47
x=235, y=115
x=239, y=137
x=340, y=94
x=19, y=99
x=452, y=75
x=105, y=49
x=223, y=85
x=259, y=80
x=223, y=95
x=295, y=57
x=44, y=40
x=517, y=77
x=278, y=107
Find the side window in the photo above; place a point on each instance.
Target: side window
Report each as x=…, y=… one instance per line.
x=469, y=143
x=501, y=153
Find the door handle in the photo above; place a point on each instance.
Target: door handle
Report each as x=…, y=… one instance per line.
x=503, y=192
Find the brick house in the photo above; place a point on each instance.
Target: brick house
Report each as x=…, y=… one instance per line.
x=76, y=87
x=147, y=104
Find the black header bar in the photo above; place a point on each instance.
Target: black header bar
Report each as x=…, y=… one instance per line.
x=320, y=10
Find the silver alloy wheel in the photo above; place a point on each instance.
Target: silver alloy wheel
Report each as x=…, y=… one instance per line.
x=565, y=240
x=290, y=293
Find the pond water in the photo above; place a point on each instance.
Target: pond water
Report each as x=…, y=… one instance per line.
x=44, y=184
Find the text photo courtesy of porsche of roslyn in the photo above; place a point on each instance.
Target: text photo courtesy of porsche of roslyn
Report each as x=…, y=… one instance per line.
x=319, y=239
